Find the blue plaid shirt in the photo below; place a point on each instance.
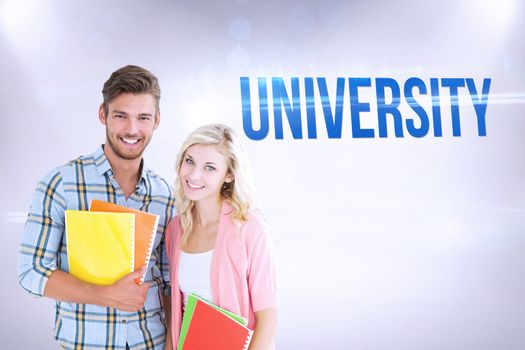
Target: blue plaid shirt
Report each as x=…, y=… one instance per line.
x=43, y=250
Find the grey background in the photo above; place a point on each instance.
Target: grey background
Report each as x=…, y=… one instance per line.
x=382, y=243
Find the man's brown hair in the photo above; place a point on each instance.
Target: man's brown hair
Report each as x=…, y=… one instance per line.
x=130, y=79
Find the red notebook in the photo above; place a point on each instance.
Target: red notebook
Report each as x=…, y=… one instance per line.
x=211, y=329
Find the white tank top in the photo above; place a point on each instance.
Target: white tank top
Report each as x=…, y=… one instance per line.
x=194, y=275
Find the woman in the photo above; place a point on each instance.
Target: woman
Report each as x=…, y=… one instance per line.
x=217, y=245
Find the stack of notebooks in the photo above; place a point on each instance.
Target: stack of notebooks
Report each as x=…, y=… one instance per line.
x=109, y=241
x=206, y=326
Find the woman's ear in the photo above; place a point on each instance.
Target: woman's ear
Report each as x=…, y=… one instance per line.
x=229, y=178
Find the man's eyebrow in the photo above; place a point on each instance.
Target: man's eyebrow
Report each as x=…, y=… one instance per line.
x=145, y=114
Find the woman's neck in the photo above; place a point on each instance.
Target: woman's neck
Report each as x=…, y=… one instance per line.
x=207, y=212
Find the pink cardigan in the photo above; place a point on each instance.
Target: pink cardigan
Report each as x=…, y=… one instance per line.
x=242, y=272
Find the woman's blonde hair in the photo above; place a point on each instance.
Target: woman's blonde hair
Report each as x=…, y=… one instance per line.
x=239, y=192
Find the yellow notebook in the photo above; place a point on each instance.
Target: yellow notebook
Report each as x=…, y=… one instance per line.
x=100, y=246
x=145, y=231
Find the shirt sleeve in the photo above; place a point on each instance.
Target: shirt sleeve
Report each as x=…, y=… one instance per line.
x=262, y=279
x=42, y=237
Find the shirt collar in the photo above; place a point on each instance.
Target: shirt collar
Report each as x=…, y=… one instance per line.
x=103, y=166
x=101, y=161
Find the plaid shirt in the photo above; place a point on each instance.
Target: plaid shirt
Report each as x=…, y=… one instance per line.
x=43, y=250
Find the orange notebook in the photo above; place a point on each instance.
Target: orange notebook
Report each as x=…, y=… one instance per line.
x=145, y=230
x=211, y=329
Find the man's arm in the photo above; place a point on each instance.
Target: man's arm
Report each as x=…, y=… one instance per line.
x=38, y=270
x=43, y=234
x=124, y=294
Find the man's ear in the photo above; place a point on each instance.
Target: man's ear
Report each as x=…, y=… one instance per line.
x=157, y=119
x=102, y=114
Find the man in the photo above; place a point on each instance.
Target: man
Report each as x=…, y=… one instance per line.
x=124, y=315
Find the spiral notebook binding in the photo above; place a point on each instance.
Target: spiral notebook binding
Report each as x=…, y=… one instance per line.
x=248, y=340
x=150, y=247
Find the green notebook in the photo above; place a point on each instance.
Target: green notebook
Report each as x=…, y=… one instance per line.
x=188, y=313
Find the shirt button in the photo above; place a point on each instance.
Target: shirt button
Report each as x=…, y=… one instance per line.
x=124, y=321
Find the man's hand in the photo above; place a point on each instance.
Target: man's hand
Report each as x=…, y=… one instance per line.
x=126, y=294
